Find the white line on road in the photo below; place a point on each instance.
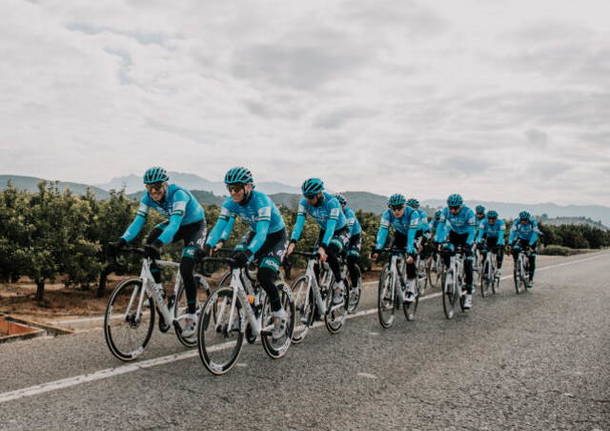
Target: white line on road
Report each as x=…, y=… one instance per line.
x=123, y=369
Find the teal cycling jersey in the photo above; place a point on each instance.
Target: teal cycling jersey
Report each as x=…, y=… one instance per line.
x=525, y=231
x=352, y=221
x=496, y=230
x=178, y=204
x=407, y=225
x=461, y=223
x=424, y=225
x=327, y=214
x=258, y=211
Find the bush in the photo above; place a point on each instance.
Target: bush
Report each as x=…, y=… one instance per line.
x=558, y=250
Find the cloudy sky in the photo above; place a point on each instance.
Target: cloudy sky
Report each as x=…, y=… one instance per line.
x=498, y=100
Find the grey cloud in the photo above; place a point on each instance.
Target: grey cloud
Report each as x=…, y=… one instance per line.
x=547, y=169
x=302, y=67
x=537, y=138
x=144, y=38
x=339, y=117
x=464, y=165
x=411, y=16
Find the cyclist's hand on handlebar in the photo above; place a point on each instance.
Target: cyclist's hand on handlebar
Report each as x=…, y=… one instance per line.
x=290, y=248
x=153, y=250
x=218, y=246
x=114, y=247
x=241, y=257
x=322, y=253
x=410, y=259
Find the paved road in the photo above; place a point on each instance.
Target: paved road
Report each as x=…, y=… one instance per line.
x=538, y=361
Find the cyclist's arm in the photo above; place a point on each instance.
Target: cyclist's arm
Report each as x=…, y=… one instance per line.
x=501, y=233
x=414, y=224
x=351, y=220
x=480, y=232
x=441, y=229
x=175, y=218
x=262, y=229
x=472, y=222
x=513, y=232
x=331, y=223
x=226, y=233
x=382, y=233
x=535, y=233
x=138, y=222
x=219, y=227
x=297, y=230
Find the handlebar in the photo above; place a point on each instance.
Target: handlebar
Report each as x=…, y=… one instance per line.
x=308, y=254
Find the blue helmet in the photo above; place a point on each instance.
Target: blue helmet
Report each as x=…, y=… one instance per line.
x=341, y=199
x=437, y=215
x=455, y=200
x=524, y=215
x=238, y=175
x=396, y=199
x=492, y=214
x=155, y=174
x=413, y=203
x=480, y=209
x=312, y=186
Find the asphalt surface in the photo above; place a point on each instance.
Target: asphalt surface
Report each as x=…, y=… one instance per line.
x=537, y=361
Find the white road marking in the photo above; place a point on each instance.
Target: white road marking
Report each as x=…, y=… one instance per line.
x=367, y=375
x=128, y=368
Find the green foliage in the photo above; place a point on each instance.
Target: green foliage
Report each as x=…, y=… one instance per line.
x=558, y=250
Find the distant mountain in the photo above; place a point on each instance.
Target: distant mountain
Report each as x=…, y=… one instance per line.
x=30, y=184
x=511, y=210
x=133, y=183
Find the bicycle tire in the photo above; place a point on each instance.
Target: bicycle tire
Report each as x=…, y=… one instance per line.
x=211, y=331
x=410, y=308
x=112, y=326
x=202, y=287
x=449, y=293
x=274, y=349
x=485, y=279
x=385, y=302
x=334, y=319
x=355, y=293
x=304, y=310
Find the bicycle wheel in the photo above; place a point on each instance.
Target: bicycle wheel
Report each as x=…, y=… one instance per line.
x=386, y=298
x=409, y=308
x=181, y=307
x=304, y=302
x=219, y=331
x=278, y=348
x=438, y=271
x=519, y=277
x=485, y=279
x=355, y=292
x=128, y=332
x=335, y=314
x=450, y=296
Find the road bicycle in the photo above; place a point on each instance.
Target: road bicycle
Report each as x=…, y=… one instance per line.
x=489, y=279
x=521, y=271
x=453, y=281
x=130, y=314
x=313, y=294
x=390, y=291
x=240, y=311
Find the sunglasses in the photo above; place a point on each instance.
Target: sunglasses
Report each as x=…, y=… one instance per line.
x=154, y=187
x=454, y=208
x=235, y=188
x=311, y=196
x=397, y=207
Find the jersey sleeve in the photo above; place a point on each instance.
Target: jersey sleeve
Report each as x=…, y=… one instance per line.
x=219, y=227
x=226, y=233
x=513, y=232
x=333, y=216
x=414, y=224
x=535, y=232
x=297, y=230
x=471, y=222
x=263, y=222
x=382, y=233
x=501, y=232
x=441, y=228
x=138, y=222
x=175, y=218
x=480, y=232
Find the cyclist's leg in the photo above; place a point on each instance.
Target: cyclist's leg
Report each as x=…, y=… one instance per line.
x=353, y=256
x=458, y=239
x=400, y=242
x=269, y=257
x=153, y=235
x=194, y=239
x=532, y=260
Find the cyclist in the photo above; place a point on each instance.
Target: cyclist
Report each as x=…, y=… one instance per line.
x=491, y=238
x=265, y=242
x=405, y=221
x=186, y=222
x=424, y=229
x=457, y=225
x=334, y=233
x=479, y=212
x=524, y=236
x=355, y=240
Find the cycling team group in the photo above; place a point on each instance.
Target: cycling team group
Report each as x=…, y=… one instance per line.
x=267, y=243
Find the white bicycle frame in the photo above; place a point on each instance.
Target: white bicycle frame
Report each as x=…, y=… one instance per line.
x=456, y=264
x=155, y=291
x=522, y=264
x=396, y=260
